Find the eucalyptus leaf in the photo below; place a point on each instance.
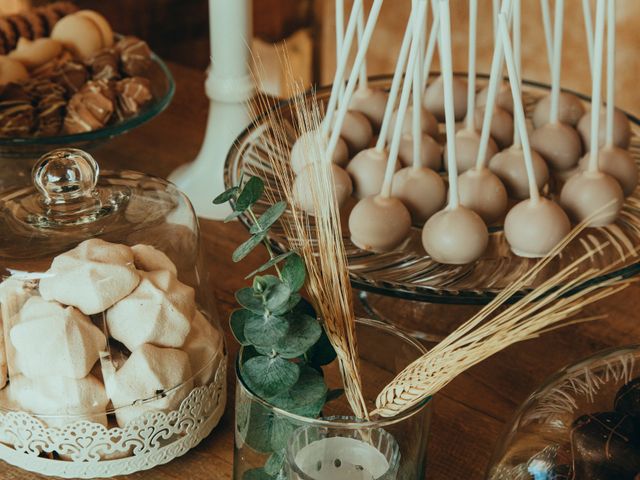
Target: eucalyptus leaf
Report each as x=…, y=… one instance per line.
x=294, y=272
x=251, y=193
x=267, y=376
x=248, y=299
x=322, y=352
x=274, y=463
x=277, y=297
x=268, y=218
x=265, y=330
x=306, y=397
x=247, y=247
x=281, y=430
x=304, y=332
x=226, y=196
x=257, y=474
x=237, y=322
x=289, y=305
x=262, y=283
x=271, y=263
x=232, y=216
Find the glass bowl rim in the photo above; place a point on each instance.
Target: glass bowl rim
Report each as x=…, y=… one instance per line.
x=364, y=424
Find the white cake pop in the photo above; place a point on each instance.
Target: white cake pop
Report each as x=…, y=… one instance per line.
x=510, y=167
x=367, y=172
x=501, y=125
x=467, y=145
x=303, y=195
x=59, y=401
x=536, y=225
x=149, y=259
x=618, y=163
x=559, y=144
x=484, y=193
x=91, y=277
x=570, y=110
x=621, y=129
x=356, y=132
x=428, y=121
x=592, y=195
x=300, y=156
x=504, y=100
x=430, y=152
x=53, y=340
x=434, y=98
x=160, y=376
x=162, y=307
x=371, y=103
x=455, y=235
x=205, y=348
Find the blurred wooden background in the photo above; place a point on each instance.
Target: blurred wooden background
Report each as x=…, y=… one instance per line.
x=178, y=30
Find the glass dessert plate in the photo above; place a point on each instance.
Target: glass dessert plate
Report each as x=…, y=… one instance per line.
x=162, y=88
x=408, y=272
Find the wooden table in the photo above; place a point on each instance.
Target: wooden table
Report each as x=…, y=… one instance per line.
x=469, y=414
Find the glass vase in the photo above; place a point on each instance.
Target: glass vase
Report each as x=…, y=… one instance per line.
x=271, y=443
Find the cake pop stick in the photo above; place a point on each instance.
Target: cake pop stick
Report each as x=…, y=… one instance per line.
x=546, y=25
x=418, y=38
x=339, y=12
x=611, y=72
x=471, y=85
x=592, y=190
x=588, y=29
x=517, y=44
x=557, y=61
x=363, y=81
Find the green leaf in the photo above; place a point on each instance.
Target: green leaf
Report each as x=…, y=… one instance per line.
x=277, y=296
x=306, y=397
x=263, y=283
x=251, y=193
x=232, y=216
x=237, y=322
x=265, y=330
x=304, y=332
x=247, y=298
x=268, y=218
x=267, y=431
x=247, y=247
x=304, y=307
x=294, y=272
x=267, y=376
x=289, y=305
x=256, y=474
x=226, y=195
x=322, y=352
x=271, y=263
x=274, y=463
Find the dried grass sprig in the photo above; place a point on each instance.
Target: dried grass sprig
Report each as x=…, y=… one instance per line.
x=551, y=305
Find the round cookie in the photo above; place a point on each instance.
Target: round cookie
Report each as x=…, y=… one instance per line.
x=103, y=26
x=33, y=54
x=79, y=34
x=11, y=70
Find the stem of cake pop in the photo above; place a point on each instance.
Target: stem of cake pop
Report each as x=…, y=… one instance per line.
x=339, y=38
x=396, y=83
x=404, y=98
x=611, y=70
x=495, y=10
x=353, y=78
x=341, y=68
x=363, y=83
x=471, y=69
x=598, y=54
x=588, y=29
x=431, y=48
x=558, y=23
x=418, y=38
x=492, y=92
x=546, y=25
x=518, y=108
x=449, y=111
x=516, y=27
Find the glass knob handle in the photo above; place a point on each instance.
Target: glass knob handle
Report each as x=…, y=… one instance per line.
x=66, y=175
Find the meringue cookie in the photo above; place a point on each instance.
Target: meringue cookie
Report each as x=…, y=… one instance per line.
x=59, y=401
x=149, y=372
x=205, y=349
x=158, y=311
x=91, y=277
x=51, y=340
x=148, y=258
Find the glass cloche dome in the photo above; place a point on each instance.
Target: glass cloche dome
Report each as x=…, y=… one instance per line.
x=106, y=315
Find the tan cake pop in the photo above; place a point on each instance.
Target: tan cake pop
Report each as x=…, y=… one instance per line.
x=343, y=187
x=613, y=160
x=420, y=189
x=504, y=100
x=455, y=235
x=534, y=226
x=592, y=195
x=433, y=98
x=621, y=129
x=300, y=157
x=430, y=152
x=356, y=132
x=558, y=143
x=509, y=165
x=428, y=121
x=570, y=110
x=501, y=125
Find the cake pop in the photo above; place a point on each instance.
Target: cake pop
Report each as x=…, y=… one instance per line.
x=509, y=165
x=455, y=235
x=558, y=143
x=570, y=110
x=343, y=187
x=467, y=145
x=501, y=125
x=382, y=222
x=612, y=159
x=300, y=157
x=504, y=100
x=428, y=121
x=433, y=98
x=356, y=131
x=621, y=129
x=430, y=152
x=368, y=166
x=419, y=188
x=536, y=225
x=591, y=195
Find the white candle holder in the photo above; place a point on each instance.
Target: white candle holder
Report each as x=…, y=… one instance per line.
x=229, y=86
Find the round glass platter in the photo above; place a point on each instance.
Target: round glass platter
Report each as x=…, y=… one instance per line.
x=408, y=272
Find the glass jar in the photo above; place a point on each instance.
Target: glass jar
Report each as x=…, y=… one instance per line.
x=271, y=443
x=108, y=324
x=583, y=423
